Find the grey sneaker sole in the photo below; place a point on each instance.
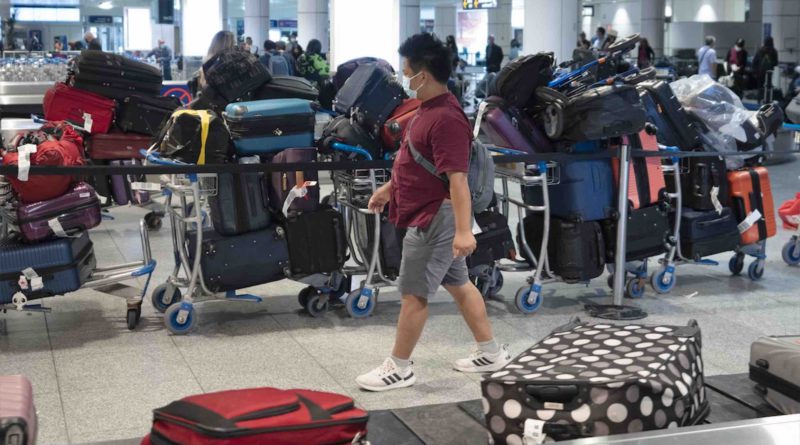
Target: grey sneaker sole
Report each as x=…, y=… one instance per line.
x=398, y=385
x=496, y=366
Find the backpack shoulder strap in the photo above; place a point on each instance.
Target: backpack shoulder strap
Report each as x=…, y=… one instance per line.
x=419, y=159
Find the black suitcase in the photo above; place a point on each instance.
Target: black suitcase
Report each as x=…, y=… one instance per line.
x=576, y=250
x=235, y=262
x=241, y=203
x=705, y=233
x=317, y=242
x=665, y=111
x=648, y=230
x=287, y=87
x=115, y=76
x=591, y=380
x=371, y=95
x=390, y=251
x=494, y=242
x=145, y=115
x=603, y=112
x=234, y=74
x=703, y=175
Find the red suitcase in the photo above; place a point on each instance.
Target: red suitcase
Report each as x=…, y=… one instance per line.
x=260, y=416
x=17, y=413
x=88, y=110
x=394, y=129
x=646, y=184
x=75, y=211
x=750, y=193
x=117, y=145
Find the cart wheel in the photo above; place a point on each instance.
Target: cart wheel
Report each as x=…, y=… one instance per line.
x=304, y=294
x=756, y=270
x=317, y=304
x=152, y=221
x=162, y=302
x=351, y=304
x=522, y=303
x=133, y=318
x=498, y=283
x=658, y=283
x=180, y=327
x=736, y=264
x=790, y=253
x=634, y=288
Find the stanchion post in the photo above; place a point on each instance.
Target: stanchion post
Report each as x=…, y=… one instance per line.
x=622, y=224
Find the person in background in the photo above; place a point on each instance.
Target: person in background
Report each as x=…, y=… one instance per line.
x=515, y=49
x=269, y=48
x=312, y=65
x=252, y=48
x=275, y=62
x=450, y=42
x=297, y=50
x=646, y=55
x=92, y=42
x=611, y=38
x=582, y=42
x=707, y=58
x=222, y=41
x=737, y=63
x=281, y=46
x=163, y=55
x=58, y=48
x=765, y=60
x=599, y=39
x=494, y=56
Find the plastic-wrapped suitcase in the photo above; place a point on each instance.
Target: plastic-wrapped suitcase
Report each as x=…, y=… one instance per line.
x=648, y=230
x=115, y=76
x=705, y=233
x=590, y=380
x=241, y=204
x=371, y=94
x=494, y=242
x=576, y=250
x=88, y=110
x=646, y=183
x=260, y=416
x=145, y=115
x=666, y=112
x=268, y=126
x=317, y=242
x=281, y=183
x=394, y=129
x=775, y=368
x=751, y=199
x=585, y=192
x=64, y=264
x=76, y=211
x=287, y=87
x=236, y=262
x=117, y=145
x=18, y=420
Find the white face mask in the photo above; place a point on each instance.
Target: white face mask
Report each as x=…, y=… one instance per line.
x=412, y=93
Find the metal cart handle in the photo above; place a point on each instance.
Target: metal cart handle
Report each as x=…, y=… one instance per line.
x=351, y=149
x=506, y=151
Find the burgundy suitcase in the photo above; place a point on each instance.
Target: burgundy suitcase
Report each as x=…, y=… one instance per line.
x=116, y=145
x=283, y=182
x=17, y=413
x=121, y=189
x=509, y=128
x=88, y=110
x=76, y=211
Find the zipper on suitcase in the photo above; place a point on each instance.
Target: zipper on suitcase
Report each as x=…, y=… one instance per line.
x=60, y=213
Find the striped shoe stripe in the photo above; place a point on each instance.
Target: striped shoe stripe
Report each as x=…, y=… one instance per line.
x=477, y=362
x=409, y=376
x=387, y=381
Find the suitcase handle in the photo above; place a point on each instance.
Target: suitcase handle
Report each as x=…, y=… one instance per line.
x=713, y=221
x=553, y=393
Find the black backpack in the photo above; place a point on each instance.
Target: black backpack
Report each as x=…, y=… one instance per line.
x=518, y=80
x=233, y=74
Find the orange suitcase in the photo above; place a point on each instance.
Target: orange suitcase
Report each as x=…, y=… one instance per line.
x=750, y=192
x=646, y=183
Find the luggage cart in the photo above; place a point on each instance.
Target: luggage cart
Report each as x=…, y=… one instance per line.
x=191, y=191
x=528, y=298
x=101, y=277
x=351, y=192
x=790, y=216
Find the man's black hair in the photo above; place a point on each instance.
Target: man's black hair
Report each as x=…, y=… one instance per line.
x=424, y=51
x=269, y=45
x=601, y=30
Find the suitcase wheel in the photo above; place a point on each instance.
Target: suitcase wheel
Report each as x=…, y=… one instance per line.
x=635, y=287
x=162, y=302
x=153, y=221
x=662, y=283
x=361, y=302
x=756, y=270
x=316, y=303
x=736, y=264
x=180, y=319
x=791, y=252
x=133, y=317
x=527, y=303
x=489, y=286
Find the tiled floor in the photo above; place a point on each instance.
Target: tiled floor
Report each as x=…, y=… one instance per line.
x=94, y=380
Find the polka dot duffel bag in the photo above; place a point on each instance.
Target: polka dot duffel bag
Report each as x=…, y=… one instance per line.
x=587, y=380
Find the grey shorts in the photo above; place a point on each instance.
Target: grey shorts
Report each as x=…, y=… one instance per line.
x=428, y=257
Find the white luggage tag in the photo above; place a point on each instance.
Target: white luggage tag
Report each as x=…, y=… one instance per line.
x=87, y=122
x=149, y=186
x=24, y=161
x=748, y=222
x=33, y=277
x=298, y=191
x=715, y=200
x=534, y=432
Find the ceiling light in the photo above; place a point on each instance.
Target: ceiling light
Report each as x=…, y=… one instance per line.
x=105, y=5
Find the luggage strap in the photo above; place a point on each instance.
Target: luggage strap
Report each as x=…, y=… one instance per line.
x=205, y=123
x=756, y=203
x=763, y=377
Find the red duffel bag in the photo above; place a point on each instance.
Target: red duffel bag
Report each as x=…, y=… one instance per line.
x=260, y=416
x=64, y=146
x=88, y=110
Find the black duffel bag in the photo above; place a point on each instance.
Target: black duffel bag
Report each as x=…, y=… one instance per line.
x=182, y=139
x=233, y=74
x=344, y=130
x=518, y=80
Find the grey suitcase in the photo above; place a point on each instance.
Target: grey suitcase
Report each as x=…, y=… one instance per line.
x=17, y=413
x=775, y=368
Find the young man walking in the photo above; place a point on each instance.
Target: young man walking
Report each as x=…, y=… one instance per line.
x=438, y=218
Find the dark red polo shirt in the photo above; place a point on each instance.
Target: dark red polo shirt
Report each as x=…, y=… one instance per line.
x=440, y=131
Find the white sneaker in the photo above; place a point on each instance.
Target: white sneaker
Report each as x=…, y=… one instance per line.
x=480, y=361
x=387, y=376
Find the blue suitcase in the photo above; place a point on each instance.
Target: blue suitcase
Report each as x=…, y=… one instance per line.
x=585, y=191
x=64, y=264
x=269, y=126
